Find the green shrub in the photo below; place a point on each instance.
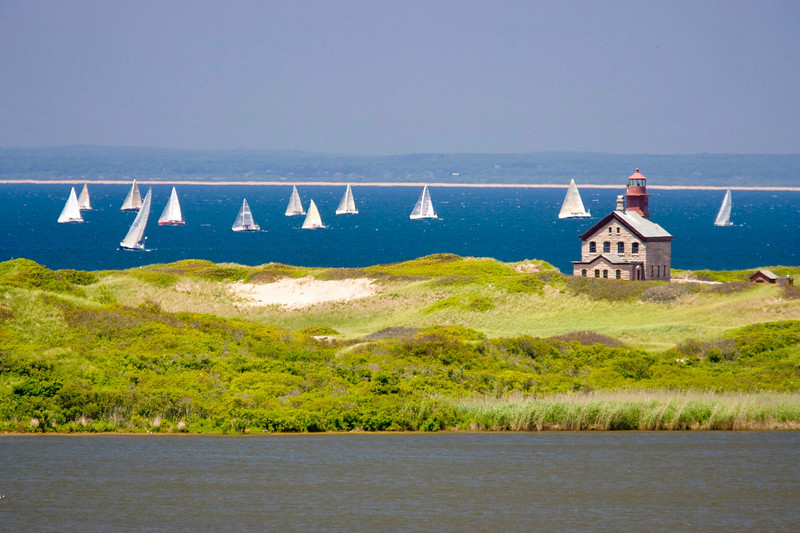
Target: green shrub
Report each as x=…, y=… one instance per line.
x=522, y=283
x=588, y=338
x=77, y=277
x=665, y=293
x=314, y=331
x=454, y=332
x=159, y=279
x=223, y=273
x=612, y=290
x=466, y=302
x=27, y=274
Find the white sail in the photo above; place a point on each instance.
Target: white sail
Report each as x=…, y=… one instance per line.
x=172, y=212
x=313, y=220
x=724, y=215
x=295, y=206
x=244, y=220
x=71, y=211
x=133, y=202
x=348, y=205
x=84, y=202
x=424, y=207
x=134, y=239
x=573, y=205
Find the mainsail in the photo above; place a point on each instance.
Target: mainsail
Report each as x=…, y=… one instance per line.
x=348, y=205
x=71, y=211
x=295, y=207
x=424, y=207
x=244, y=220
x=724, y=215
x=573, y=205
x=313, y=220
x=133, y=240
x=172, y=212
x=84, y=201
x=133, y=202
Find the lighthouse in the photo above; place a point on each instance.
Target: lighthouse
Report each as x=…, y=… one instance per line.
x=626, y=244
x=636, y=197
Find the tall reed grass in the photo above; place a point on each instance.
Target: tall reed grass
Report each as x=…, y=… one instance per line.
x=634, y=410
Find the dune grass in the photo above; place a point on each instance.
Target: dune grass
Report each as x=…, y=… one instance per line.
x=634, y=410
x=481, y=294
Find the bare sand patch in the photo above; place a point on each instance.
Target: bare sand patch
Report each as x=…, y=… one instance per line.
x=295, y=293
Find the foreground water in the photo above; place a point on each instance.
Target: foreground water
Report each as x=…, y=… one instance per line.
x=676, y=481
x=509, y=224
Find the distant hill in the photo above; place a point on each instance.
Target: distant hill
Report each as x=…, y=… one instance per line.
x=95, y=162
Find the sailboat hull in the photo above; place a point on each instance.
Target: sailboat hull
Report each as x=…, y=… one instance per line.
x=587, y=214
x=172, y=223
x=137, y=248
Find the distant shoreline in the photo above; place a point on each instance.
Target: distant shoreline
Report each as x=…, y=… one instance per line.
x=388, y=184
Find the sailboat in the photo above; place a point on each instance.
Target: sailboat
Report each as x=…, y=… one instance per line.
x=172, y=212
x=84, y=202
x=573, y=205
x=724, y=215
x=71, y=211
x=348, y=205
x=244, y=220
x=295, y=207
x=133, y=202
x=424, y=207
x=313, y=220
x=134, y=240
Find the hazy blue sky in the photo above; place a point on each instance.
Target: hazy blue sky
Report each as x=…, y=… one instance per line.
x=375, y=77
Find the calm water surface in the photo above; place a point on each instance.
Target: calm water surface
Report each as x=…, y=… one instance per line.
x=680, y=481
x=508, y=224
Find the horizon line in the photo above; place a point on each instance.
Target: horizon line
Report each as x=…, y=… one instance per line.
x=388, y=184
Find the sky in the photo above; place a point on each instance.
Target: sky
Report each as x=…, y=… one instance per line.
x=378, y=77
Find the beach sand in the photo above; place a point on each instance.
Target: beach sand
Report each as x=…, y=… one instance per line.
x=297, y=293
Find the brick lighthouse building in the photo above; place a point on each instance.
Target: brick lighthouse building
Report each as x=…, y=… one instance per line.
x=626, y=244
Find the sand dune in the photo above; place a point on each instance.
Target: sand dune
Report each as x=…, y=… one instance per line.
x=296, y=293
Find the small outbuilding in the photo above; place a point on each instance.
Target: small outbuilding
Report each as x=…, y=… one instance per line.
x=767, y=276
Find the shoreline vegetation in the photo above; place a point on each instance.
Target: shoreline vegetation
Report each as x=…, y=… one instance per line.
x=440, y=343
x=224, y=182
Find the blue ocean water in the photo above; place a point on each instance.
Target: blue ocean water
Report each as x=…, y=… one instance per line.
x=509, y=224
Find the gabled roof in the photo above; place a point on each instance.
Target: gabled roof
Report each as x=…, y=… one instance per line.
x=766, y=273
x=642, y=227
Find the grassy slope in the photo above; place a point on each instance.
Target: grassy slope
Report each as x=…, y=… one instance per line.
x=553, y=310
x=168, y=345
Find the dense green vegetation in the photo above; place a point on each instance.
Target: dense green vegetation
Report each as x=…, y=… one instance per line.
x=166, y=348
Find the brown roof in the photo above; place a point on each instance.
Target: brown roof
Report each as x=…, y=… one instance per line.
x=766, y=273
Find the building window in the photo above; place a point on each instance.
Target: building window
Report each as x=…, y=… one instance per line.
x=635, y=248
x=658, y=271
x=664, y=270
x=592, y=247
x=652, y=270
x=617, y=231
x=609, y=230
x=597, y=273
x=605, y=273
x=619, y=274
x=583, y=272
x=606, y=247
x=620, y=247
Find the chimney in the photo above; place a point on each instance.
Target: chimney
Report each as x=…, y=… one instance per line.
x=621, y=203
